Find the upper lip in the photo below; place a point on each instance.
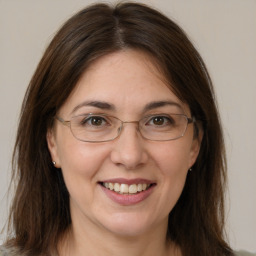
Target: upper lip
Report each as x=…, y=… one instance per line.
x=128, y=181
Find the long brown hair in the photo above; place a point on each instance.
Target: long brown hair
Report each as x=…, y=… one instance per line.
x=40, y=210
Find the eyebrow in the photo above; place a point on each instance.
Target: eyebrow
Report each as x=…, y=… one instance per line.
x=96, y=104
x=107, y=106
x=158, y=104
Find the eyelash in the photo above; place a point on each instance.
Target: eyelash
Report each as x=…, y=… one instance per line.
x=163, y=119
x=166, y=119
x=90, y=118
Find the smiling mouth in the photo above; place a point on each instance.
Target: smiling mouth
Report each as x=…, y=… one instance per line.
x=126, y=189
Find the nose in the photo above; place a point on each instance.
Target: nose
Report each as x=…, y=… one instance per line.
x=129, y=148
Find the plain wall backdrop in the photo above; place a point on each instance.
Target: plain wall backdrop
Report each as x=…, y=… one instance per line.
x=224, y=32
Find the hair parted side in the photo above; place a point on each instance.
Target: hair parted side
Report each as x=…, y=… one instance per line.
x=40, y=210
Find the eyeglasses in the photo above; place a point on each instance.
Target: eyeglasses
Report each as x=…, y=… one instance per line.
x=101, y=127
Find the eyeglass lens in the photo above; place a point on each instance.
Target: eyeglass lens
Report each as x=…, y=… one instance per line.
x=100, y=128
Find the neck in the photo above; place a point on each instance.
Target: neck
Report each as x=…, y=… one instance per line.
x=86, y=241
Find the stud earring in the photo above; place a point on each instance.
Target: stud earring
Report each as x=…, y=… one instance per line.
x=190, y=169
x=53, y=162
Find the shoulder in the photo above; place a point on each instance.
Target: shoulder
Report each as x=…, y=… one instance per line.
x=14, y=251
x=9, y=251
x=244, y=253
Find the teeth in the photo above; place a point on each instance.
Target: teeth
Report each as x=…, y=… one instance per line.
x=111, y=186
x=125, y=188
x=106, y=185
x=133, y=189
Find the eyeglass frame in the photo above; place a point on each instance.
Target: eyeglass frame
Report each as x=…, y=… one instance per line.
x=67, y=123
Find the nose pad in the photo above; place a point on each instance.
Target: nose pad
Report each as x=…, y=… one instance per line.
x=129, y=149
x=119, y=130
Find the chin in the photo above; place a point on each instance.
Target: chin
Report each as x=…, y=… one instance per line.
x=128, y=224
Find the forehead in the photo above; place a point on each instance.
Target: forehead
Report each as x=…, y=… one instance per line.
x=127, y=79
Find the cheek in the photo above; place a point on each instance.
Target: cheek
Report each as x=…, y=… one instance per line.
x=173, y=158
x=80, y=163
x=172, y=163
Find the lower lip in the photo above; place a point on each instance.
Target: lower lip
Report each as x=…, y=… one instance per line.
x=128, y=199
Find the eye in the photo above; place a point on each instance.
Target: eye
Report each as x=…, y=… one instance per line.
x=96, y=121
x=160, y=121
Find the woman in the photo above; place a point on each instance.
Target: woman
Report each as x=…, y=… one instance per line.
x=119, y=148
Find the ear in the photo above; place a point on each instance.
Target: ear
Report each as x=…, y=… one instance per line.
x=195, y=147
x=52, y=146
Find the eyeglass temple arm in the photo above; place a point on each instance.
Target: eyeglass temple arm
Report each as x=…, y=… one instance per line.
x=67, y=123
x=191, y=120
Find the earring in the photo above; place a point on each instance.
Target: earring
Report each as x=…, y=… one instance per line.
x=53, y=162
x=190, y=169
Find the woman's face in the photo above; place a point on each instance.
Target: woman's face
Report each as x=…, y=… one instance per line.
x=128, y=86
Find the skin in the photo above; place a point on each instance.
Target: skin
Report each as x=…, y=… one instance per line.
x=129, y=81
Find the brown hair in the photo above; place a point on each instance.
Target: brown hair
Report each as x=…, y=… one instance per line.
x=40, y=210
